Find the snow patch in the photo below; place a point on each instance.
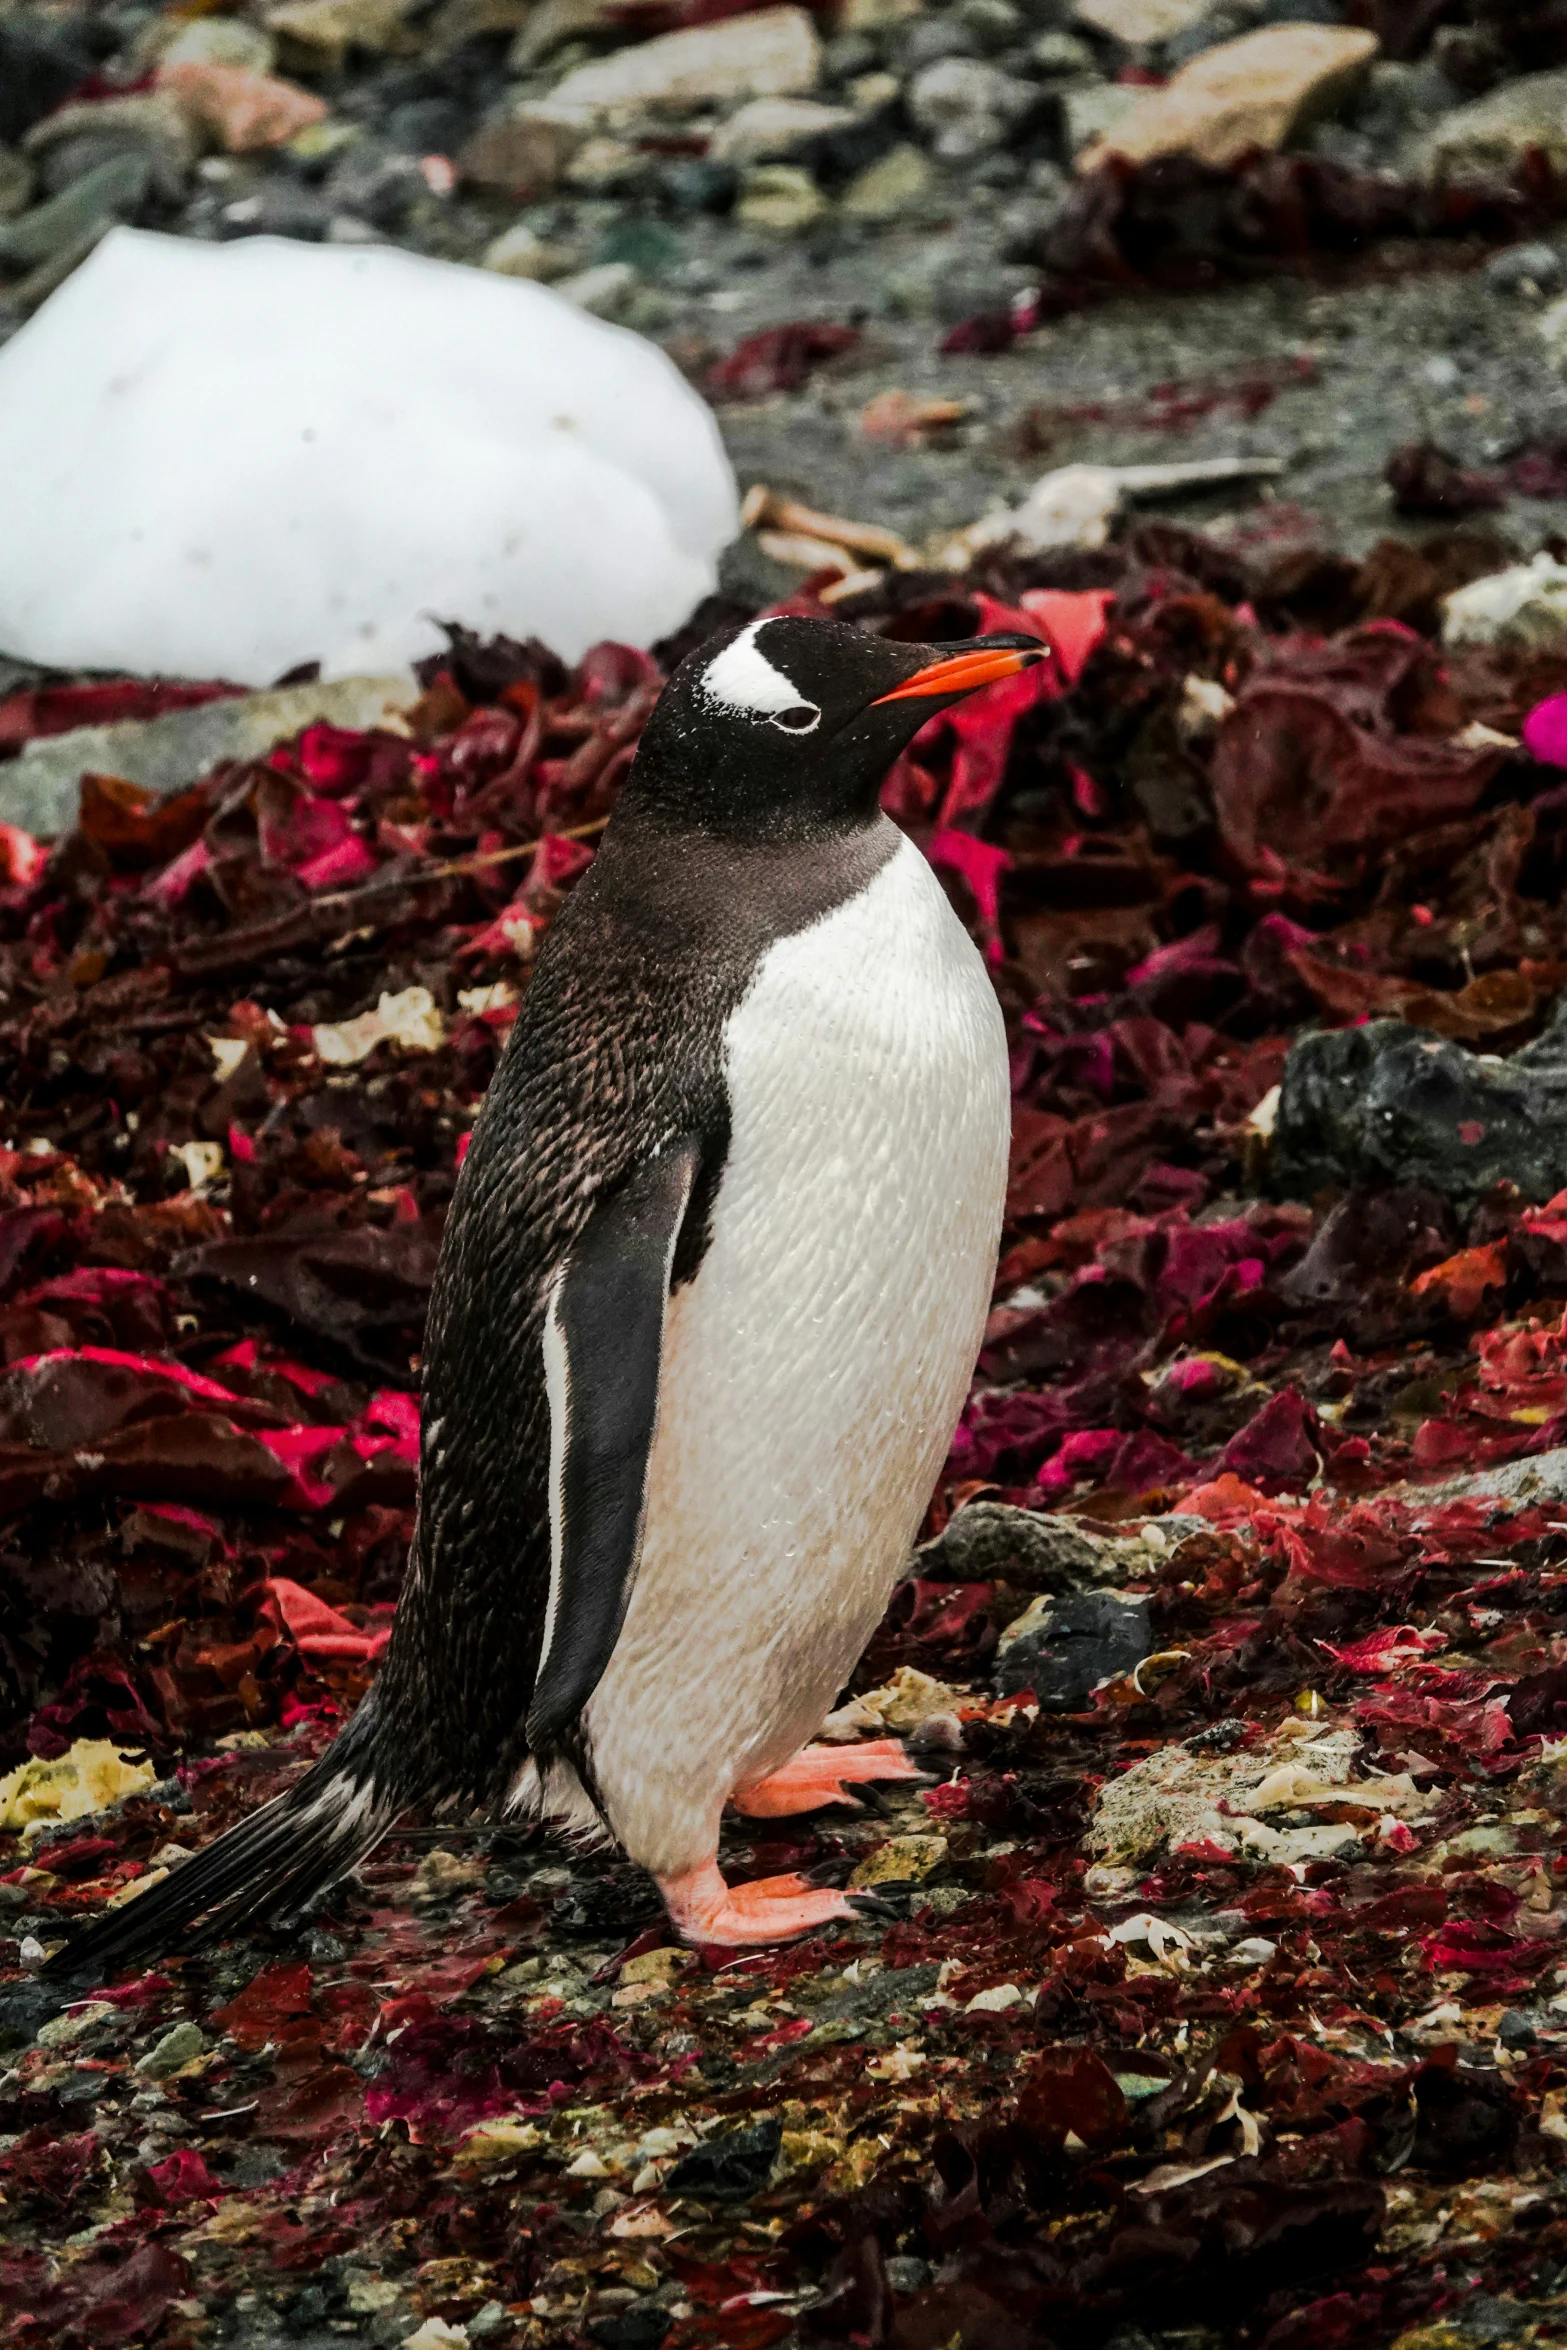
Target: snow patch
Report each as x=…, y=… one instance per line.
x=228, y=460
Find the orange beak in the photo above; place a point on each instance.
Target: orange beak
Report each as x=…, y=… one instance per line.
x=963, y=673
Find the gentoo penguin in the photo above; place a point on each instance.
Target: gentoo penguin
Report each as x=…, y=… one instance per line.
x=712, y=1285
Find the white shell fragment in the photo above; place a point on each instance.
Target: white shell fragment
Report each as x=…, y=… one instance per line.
x=229, y=460
x=1075, y=505
x=411, y=1019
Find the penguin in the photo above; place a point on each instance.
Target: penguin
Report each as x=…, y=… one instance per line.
x=709, y=1296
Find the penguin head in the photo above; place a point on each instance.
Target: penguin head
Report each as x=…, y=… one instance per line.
x=787, y=727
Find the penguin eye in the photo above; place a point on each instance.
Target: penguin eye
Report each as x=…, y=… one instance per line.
x=799, y=718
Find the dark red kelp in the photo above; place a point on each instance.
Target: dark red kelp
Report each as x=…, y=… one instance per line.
x=1181, y=225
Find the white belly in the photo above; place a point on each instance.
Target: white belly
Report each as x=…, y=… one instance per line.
x=815, y=1368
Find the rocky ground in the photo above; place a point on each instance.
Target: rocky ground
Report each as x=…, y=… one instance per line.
x=896, y=169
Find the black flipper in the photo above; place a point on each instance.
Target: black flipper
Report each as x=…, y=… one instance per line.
x=603, y=1343
x=270, y=1866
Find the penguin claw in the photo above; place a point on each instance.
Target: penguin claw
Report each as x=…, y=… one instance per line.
x=871, y=1905
x=702, y=1908
x=819, y=1775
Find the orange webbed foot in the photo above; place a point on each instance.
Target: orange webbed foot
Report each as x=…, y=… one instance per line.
x=702, y=1908
x=819, y=1775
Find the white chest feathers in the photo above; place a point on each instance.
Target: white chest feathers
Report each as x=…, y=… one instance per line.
x=814, y=1370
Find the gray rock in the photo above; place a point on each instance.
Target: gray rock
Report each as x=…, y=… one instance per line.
x=992, y=1542
x=178, y=2046
x=998, y=169
x=1063, y=1648
x=1225, y=23
x=525, y=153
x=38, y=789
x=150, y=121
x=768, y=129
x=1037, y=1550
x=934, y=37
x=849, y=56
x=1386, y=1103
x=277, y=208
x=16, y=183
x=217, y=40
x=780, y=198
x=374, y=185
x=1032, y=215
x=105, y=195
x=606, y=289
x=23, y=296
x=1404, y=97
x=875, y=16
x=1495, y=133
x=549, y=27
x=608, y=167
x=773, y=54
x=967, y=107
x=995, y=24
x=520, y=251
x=1540, y=1481
x=73, y=160
x=1520, y=266
x=493, y=2323
x=1095, y=108
x=890, y=189
x=1141, y=23
x=1057, y=55
x=318, y=36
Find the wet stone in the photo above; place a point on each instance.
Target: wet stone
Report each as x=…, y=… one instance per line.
x=642, y=2326
x=990, y=1540
x=1063, y=1649
x=113, y=189
x=1496, y=132
x=730, y=2167
x=42, y=60
x=1521, y=266
x=1386, y=1103
x=16, y=183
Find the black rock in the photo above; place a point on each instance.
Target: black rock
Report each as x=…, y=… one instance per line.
x=1517, y=2030
x=640, y=2327
x=729, y=2168
x=1387, y=1104
x=836, y=157
x=430, y=126
x=691, y=185
x=620, y=1899
x=278, y=208
x=42, y=58
x=376, y=186
x=1039, y=135
x=1090, y=1637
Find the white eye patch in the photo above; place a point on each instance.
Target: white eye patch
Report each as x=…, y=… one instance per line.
x=741, y=678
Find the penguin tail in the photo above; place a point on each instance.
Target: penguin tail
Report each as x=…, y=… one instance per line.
x=264, y=1870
